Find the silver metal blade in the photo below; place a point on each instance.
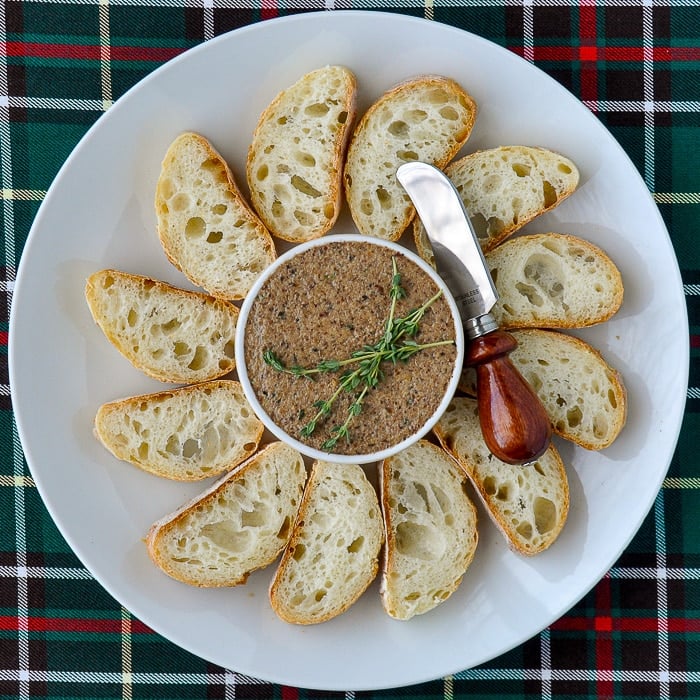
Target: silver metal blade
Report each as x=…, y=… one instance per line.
x=458, y=256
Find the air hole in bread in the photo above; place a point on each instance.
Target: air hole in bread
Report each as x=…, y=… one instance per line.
x=180, y=349
x=449, y=113
x=564, y=168
x=398, y=128
x=530, y=293
x=225, y=535
x=419, y=541
x=549, y=194
x=305, y=159
x=521, y=169
x=303, y=217
x=489, y=485
x=406, y=155
x=438, y=96
x=545, y=514
x=574, y=416
x=415, y=116
x=503, y=493
x=107, y=281
x=277, y=209
x=215, y=237
x=600, y=425
x=366, y=206
x=190, y=448
x=318, y=109
x=180, y=202
x=534, y=380
x=304, y=187
x=143, y=450
x=262, y=173
x=199, y=360
x=384, y=198
x=195, y=227
x=524, y=529
x=356, y=545
x=257, y=517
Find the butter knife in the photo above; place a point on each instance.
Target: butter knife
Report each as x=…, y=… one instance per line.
x=515, y=425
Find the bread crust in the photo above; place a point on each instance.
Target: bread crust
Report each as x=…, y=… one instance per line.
x=244, y=246
x=599, y=391
x=173, y=435
x=144, y=319
x=503, y=189
x=364, y=182
x=287, y=123
x=528, y=503
x=355, y=566
x=554, y=280
x=424, y=503
x=170, y=526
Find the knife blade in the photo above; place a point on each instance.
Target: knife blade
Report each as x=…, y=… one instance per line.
x=514, y=423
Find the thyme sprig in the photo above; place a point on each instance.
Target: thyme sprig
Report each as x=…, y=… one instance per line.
x=397, y=344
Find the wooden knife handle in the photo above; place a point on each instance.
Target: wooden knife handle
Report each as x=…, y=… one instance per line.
x=515, y=425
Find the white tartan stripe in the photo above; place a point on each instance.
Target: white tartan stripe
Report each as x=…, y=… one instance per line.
x=323, y=4
x=139, y=678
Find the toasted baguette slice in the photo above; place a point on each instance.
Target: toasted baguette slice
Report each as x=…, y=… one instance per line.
x=185, y=434
x=170, y=334
x=431, y=533
x=529, y=503
x=428, y=118
x=333, y=553
x=205, y=226
x=553, y=280
x=239, y=524
x=295, y=160
x=583, y=395
x=503, y=189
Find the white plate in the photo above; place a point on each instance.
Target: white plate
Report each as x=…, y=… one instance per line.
x=99, y=213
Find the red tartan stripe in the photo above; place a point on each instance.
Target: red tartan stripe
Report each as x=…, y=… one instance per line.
x=56, y=624
x=658, y=54
x=604, y=623
x=3, y=337
x=89, y=52
x=695, y=341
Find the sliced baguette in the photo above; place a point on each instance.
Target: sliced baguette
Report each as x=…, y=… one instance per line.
x=431, y=533
x=295, y=161
x=205, y=226
x=333, y=553
x=239, y=524
x=428, y=118
x=583, y=395
x=529, y=503
x=503, y=189
x=171, y=334
x=186, y=434
x=553, y=280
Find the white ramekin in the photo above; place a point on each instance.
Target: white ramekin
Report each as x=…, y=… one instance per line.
x=291, y=440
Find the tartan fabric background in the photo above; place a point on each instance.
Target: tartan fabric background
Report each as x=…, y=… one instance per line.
x=635, y=64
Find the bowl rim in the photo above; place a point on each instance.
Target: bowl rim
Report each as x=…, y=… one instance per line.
x=276, y=430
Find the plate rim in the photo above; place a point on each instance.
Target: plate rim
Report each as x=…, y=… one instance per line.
x=31, y=241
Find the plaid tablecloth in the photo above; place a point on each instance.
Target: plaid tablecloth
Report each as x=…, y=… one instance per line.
x=635, y=64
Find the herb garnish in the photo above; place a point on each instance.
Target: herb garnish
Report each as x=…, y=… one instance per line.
x=397, y=344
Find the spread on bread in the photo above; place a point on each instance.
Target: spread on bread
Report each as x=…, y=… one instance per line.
x=306, y=152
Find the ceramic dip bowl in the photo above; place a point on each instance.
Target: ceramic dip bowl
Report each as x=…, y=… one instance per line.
x=315, y=359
